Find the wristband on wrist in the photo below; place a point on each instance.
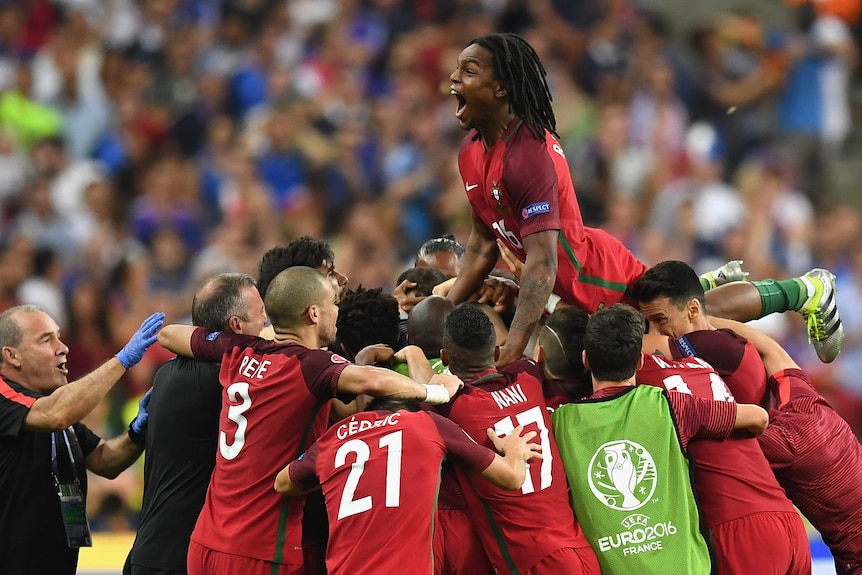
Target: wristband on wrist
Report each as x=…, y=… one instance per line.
x=553, y=300
x=137, y=438
x=435, y=394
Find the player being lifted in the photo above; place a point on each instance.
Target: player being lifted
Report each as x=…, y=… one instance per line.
x=520, y=191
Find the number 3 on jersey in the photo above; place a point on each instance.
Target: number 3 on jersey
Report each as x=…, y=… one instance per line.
x=392, y=443
x=533, y=415
x=236, y=392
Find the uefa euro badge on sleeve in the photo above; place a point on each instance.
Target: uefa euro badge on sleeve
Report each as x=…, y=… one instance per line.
x=74, y=515
x=72, y=504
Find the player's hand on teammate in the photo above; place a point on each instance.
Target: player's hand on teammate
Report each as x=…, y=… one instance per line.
x=498, y=292
x=508, y=355
x=516, y=444
x=516, y=265
x=443, y=288
x=406, y=302
x=378, y=353
x=449, y=382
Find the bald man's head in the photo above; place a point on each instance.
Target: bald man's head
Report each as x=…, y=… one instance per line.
x=292, y=292
x=427, y=322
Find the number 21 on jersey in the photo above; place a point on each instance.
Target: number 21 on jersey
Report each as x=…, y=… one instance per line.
x=392, y=444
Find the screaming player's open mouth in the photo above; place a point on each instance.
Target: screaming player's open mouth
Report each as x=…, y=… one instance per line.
x=462, y=103
x=62, y=367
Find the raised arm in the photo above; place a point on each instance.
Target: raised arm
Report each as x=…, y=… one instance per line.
x=72, y=402
x=537, y=283
x=178, y=339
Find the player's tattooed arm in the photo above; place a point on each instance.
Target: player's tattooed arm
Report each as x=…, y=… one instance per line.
x=537, y=283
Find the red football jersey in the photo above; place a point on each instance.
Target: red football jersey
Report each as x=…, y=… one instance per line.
x=271, y=406
x=818, y=460
x=734, y=358
x=380, y=471
x=517, y=528
x=523, y=186
x=732, y=477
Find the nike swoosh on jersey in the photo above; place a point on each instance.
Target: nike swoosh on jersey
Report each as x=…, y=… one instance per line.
x=471, y=186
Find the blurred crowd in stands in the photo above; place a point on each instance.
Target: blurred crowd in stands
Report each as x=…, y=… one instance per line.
x=147, y=144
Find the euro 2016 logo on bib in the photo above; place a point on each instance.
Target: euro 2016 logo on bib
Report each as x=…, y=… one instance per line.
x=622, y=475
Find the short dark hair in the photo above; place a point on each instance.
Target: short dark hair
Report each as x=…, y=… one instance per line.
x=291, y=293
x=613, y=341
x=305, y=251
x=424, y=278
x=562, y=339
x=219, y=298
x=469, y=336
x=444, y=244
x=367, y=317
x=671, y=279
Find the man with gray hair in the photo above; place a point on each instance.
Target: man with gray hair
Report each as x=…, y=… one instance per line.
x=45, y=451
x=182, y=435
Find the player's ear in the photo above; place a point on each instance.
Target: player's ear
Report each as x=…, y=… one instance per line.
x=640, y=362
x=693, y=308
x=496, y=352
x=502, y=91
x=587, y=361
x=444, y=357
x=313, y=314
x=235, y=324
x=539, y=353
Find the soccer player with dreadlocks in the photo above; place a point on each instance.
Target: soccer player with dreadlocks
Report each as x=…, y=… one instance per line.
x=521, y=192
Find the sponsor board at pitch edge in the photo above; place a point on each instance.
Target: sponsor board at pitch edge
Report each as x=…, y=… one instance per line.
x=622, y=475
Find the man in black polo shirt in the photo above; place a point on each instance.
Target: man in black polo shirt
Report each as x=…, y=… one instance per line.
x=182, y=435
x=44, y=451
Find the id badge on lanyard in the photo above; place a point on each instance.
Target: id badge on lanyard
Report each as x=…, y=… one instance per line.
x=72, y=504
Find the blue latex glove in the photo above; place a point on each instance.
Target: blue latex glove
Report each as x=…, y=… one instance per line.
x=138, y=426
x=146, y=336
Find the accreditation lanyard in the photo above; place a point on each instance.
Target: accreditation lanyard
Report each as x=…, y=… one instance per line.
x=72, y=504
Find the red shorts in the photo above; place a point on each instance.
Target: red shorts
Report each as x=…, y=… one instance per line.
x=457, y=550
x=608, y=271
x=205, y=561
x=762, y=543
x=571, y=561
